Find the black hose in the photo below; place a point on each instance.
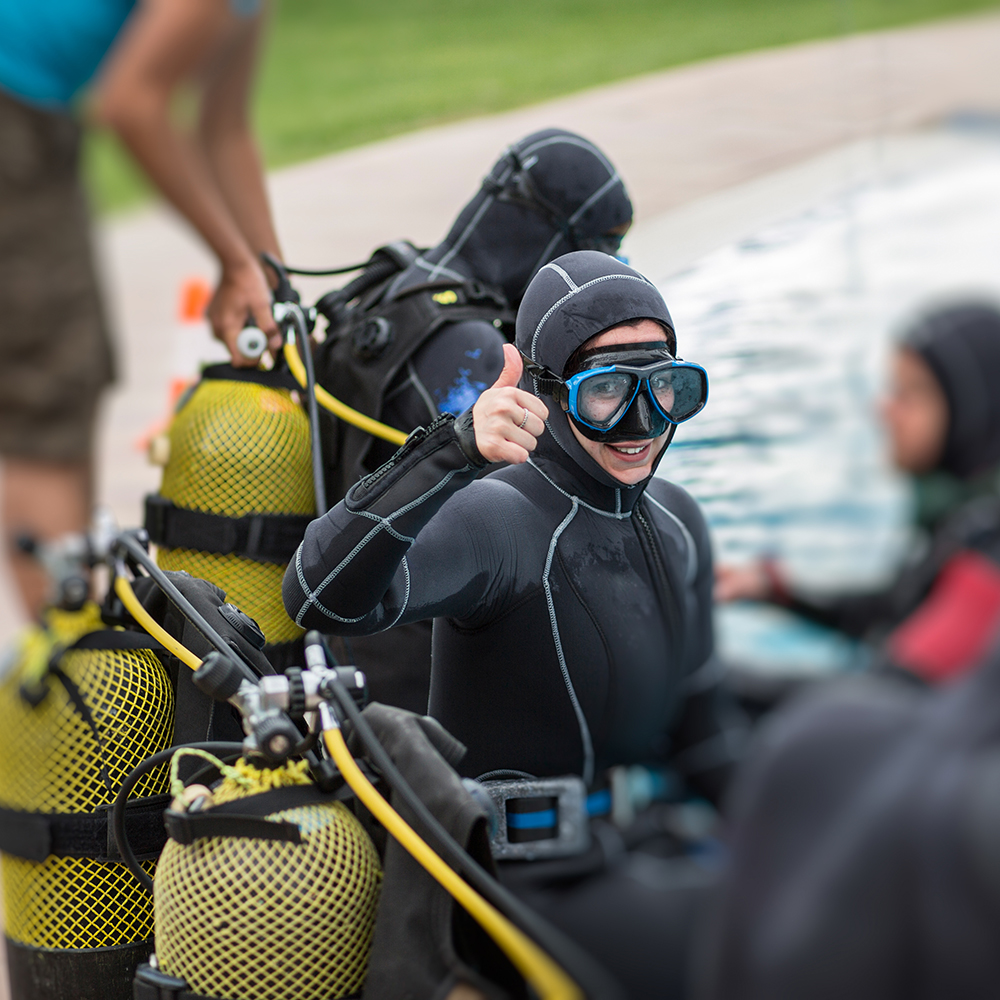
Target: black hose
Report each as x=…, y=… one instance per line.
x=375, y=271
x=589, y=975
x=193, y=615
x=319, y=479
x=327, y=272
x=133, y=777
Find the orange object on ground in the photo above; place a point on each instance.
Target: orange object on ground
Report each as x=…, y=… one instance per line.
x=196, y=293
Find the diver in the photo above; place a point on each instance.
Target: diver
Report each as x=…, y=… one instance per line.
x=429, y=339
x=942, y=415
x=570, y=590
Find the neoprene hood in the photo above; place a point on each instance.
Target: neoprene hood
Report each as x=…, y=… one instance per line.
x=549, y=193
x=570, y=300
x=961, y=345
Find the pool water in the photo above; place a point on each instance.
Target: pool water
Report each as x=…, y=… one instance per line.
x=794, y=326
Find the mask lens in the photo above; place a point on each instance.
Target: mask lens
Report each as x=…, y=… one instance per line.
x=601, y=398
x=680, y=392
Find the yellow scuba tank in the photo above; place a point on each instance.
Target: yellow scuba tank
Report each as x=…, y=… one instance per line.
x=80, y=707
x=237, y=491
x=234, y=910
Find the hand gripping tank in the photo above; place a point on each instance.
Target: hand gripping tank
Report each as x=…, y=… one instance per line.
x=76, y=922
x=239, y=450
x=253, y=919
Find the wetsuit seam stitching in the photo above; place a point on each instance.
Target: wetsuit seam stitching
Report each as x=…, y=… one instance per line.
x=570, y=294
x=588, y=747
x=406, y=592
x=421, y=389
x=454, y=249
x=596, y=196
x=385, y=524
x=571, y=284
x=600, y=631
x=312, y=596
x=692, y=568
x=621, y=516
x=311, y=599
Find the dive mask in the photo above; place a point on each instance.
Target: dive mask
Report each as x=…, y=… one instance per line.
x=626, y=392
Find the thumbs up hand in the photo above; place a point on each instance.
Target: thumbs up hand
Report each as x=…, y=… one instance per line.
x=508, y=421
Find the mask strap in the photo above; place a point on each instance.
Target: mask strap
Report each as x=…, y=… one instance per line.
x=520, y=190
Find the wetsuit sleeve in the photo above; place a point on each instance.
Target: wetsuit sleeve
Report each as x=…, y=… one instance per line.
x=358, y=569
x=955, y=626
x=709, y=735
x=852, y=614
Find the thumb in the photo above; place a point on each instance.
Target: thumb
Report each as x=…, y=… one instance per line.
x=512, y=368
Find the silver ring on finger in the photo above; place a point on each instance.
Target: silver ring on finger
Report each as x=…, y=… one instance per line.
x=525, y=420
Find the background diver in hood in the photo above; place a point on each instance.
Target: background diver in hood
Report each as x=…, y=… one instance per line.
x=942, y=415
x=570, y=590
x=447, y=317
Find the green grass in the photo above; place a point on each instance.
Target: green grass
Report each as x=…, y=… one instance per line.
x=342, y=72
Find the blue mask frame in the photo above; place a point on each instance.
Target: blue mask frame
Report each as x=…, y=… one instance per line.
x=567, y=390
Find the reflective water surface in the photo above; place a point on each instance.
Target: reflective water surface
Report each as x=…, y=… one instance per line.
x=794, y=326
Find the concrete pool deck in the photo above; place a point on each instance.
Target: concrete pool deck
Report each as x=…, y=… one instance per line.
x=697, y=145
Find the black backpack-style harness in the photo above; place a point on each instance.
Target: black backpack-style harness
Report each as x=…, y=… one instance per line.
x=371, y=340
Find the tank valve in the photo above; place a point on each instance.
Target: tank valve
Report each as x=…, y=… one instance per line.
x=251, y=342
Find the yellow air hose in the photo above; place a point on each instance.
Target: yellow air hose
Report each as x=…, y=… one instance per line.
x=549, y=981
x=336, y=407
x=127, y=596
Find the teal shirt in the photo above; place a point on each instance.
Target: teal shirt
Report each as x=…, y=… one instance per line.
x=50, y=49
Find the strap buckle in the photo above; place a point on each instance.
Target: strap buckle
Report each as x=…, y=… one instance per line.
x=539, y=817
x=152, y=984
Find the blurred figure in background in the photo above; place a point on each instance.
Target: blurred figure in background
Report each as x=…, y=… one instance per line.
x=864, y=836
x=942, y=415
x=56, y=357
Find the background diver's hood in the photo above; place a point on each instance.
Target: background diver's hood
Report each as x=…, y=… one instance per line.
x=500, y=239
x=570, y=300
x=961, y=345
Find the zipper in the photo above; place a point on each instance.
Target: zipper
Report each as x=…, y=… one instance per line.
x=661, y=581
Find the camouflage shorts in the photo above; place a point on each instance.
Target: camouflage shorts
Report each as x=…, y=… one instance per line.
x=55, y=356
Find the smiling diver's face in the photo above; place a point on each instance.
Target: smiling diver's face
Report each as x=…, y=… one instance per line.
x=629, y=462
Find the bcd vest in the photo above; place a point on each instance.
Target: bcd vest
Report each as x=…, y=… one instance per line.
x=373, y=340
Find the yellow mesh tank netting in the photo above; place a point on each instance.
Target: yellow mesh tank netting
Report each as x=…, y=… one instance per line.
x=268, y=920
x=239, y=448
x=51, y=762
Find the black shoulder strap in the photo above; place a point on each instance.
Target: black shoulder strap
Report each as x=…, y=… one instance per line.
x=265, y=538
x=276, y=378
x=247, y=817
x=115, y=639
x=37, y=836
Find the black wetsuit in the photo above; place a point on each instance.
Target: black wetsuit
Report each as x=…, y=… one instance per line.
x=572, y=619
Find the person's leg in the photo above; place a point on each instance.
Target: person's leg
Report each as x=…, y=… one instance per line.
x=42, y=500
x=55, y=357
